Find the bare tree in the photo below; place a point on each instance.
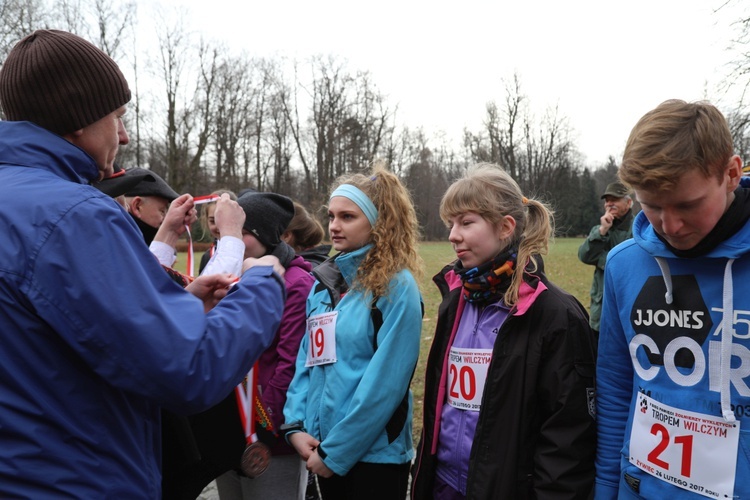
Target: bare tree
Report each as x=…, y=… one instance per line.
x=71, y=15
x=498, y=142
x=739, y=75
x=739, y=124
x=18, y=18
x=188, y=106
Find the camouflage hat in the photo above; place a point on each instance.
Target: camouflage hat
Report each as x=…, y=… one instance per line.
x=616, y=189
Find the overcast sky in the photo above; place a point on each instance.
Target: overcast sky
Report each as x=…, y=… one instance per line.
x=603, y=62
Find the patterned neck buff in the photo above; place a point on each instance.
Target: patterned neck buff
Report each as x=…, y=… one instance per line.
x=488, y=282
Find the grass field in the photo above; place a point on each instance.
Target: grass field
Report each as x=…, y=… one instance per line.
x=561, y=265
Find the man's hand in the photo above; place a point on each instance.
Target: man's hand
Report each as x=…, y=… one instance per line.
x=211, y=288
x=181, y=213
x=605, y=222
x=229, y=217
x=266, y=260
x=304, y=444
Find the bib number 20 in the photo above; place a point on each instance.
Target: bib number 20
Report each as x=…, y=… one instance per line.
x=466, y=381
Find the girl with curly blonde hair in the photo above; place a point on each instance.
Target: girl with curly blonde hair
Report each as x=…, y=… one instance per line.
x=349, y=407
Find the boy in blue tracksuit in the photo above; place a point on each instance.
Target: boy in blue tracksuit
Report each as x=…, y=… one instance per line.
x=673, y=369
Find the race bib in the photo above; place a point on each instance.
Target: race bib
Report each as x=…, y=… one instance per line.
x=691, y=450
x=321, y=330
x=467, y=372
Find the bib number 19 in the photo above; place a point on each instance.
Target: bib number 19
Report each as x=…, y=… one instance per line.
x=317, y=342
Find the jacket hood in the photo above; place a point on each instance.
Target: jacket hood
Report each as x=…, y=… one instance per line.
x=644, y=235
x=28, y=145
x=734, y=247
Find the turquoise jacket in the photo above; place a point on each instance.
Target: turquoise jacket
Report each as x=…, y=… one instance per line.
x=360, y=406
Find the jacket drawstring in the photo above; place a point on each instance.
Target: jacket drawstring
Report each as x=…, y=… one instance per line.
x=667, y=275
x=727, y=333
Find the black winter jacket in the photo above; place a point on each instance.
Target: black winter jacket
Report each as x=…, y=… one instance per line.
x=536, y=436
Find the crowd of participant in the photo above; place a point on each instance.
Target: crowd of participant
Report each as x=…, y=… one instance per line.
x=283, y=370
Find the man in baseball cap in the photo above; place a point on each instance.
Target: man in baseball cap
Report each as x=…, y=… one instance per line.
x=94, y=337
x=148, y=202
x=614, y=227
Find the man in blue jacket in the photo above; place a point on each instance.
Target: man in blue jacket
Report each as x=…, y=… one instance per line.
x=673, y=368
x=86, y=362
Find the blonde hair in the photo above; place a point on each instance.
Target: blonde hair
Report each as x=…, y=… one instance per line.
x=674, y=138
x=203, y=218
x=395, y=236
x=489, y=191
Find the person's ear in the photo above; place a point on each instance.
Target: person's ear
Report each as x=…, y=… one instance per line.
x=288, y=238
x=733, y=173
x=135, y=205
x=73, y=137
x=506, y=227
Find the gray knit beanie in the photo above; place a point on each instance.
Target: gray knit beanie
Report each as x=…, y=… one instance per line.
x=267, y=216
x=60, y=82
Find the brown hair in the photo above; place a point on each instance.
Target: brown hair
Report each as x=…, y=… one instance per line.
x=491, y=192
x=672, y=138
x=304, y=229
x=395, y=237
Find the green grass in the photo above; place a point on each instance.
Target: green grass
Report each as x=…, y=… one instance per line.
x=561, y=265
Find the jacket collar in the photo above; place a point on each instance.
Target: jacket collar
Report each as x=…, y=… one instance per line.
x=28, y=145
x=348, y=263
x=447, y=280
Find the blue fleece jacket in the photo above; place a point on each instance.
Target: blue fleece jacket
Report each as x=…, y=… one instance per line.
x=675, y=331
x=95, y=337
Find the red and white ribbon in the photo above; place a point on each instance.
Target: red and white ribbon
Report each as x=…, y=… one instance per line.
x=199, y=200
x=190, y=271
x=245, y=397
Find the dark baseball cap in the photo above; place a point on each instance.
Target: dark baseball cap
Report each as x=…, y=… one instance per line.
x=158, y=187
x=122, y=181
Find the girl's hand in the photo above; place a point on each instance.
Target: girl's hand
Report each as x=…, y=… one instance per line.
x=304, y=444
x=316, y=466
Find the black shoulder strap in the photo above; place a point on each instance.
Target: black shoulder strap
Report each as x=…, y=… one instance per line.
x=377, y=321
x=397, y=421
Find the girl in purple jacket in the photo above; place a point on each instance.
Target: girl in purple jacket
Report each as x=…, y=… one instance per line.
x=508, y=408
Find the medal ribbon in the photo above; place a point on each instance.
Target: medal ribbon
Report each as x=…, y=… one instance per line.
x=198, y=200
x=190, y=252
x=246, y=392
